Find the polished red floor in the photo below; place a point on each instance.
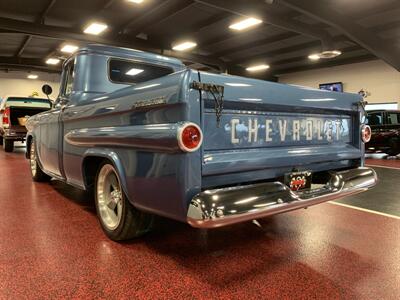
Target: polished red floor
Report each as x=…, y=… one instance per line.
x=52, y=247
x=391, y=163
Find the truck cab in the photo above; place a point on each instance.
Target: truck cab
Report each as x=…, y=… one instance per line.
x=152, y=137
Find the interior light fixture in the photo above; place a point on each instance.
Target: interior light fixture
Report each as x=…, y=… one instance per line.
x=136, y=1
x=95, y=28
x=330, y=54
x=52, y=61
x=325, y=54
x=257, y=68
x=69, y=48
x=184, y=46
x=314, y=56
x=244, y=24
x=33, y=76
x=134, y=72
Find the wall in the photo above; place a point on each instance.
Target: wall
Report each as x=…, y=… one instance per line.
x=378, y=78
x=16, y=83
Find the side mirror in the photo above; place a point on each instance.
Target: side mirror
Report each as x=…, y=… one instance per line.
x=47, y=90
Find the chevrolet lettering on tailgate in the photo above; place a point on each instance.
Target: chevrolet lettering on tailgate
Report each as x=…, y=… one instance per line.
x=276, y=130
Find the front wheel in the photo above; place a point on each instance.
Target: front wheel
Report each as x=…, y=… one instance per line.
x=36, y=172
x=8, y=145
x=118, y=218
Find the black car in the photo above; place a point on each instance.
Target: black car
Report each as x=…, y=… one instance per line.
x=385, y=125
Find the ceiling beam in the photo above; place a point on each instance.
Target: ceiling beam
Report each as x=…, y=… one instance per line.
x=108, y=4
x=192, y=31
x=27, y=63
x=42, y=18
x=259, y=8
x=23, y=46
x=255, y=44
x=311, y=46
x=161, y=11
x=327, y=64
x=305, y=59
x=325, y=13
x=61, y=33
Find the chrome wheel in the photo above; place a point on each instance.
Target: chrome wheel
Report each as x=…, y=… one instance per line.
x=32, y=159
x=109, y=197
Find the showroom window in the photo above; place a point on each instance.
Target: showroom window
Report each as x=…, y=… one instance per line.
x=374, y=119
x=124, y=71
x=393, y=118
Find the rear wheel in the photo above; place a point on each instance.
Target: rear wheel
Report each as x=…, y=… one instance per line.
x=37, y=174
x=118, y=218
x=8, y=145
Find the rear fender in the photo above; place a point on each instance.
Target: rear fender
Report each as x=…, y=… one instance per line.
x=115, y=160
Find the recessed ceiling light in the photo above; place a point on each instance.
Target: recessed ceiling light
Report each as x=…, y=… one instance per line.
x=325, y=54
x=53, y=61
x=314, y=56
x=69, y=48
x=257, y=68
x=244, y=24
x=133, y=72
x=184, y=46
x=330, y=54
x=95, y=28
x=136, y=1
x=33, y=76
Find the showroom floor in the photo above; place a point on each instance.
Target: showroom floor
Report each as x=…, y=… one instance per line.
x=52, y=245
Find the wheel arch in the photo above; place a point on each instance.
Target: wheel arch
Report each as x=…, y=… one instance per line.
x=91, y=162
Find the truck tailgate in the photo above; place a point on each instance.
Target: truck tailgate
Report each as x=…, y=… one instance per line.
x=267, y=129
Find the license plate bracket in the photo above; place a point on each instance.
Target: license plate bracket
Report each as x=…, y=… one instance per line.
x=297, y=181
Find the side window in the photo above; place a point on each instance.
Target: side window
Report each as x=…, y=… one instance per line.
x=131, y=72
x=393, y=118
x=374, y=119
x=69, y=78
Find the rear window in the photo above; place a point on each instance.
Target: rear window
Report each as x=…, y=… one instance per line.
x=130, y=72
x=393, y=118
x=31, y=102
x=374, y=119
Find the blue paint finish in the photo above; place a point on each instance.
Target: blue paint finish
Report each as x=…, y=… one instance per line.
x=156, y=137
x=135, y=127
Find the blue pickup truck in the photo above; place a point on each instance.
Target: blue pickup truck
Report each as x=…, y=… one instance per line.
x=152, y=137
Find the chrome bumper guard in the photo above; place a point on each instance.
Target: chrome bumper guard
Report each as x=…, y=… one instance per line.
x=220, y=207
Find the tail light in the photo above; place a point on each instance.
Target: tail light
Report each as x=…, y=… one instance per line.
x=366, y=133
x=190, y=137
x=6, y=117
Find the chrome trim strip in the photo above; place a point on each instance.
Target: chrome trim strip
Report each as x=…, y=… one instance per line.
x=220, y=207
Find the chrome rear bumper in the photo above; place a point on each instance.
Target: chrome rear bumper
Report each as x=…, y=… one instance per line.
x=220, y=207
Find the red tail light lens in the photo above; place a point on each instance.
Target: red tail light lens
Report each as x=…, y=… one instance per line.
x=6, y=116
x=190, y=137
x=366, y=133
